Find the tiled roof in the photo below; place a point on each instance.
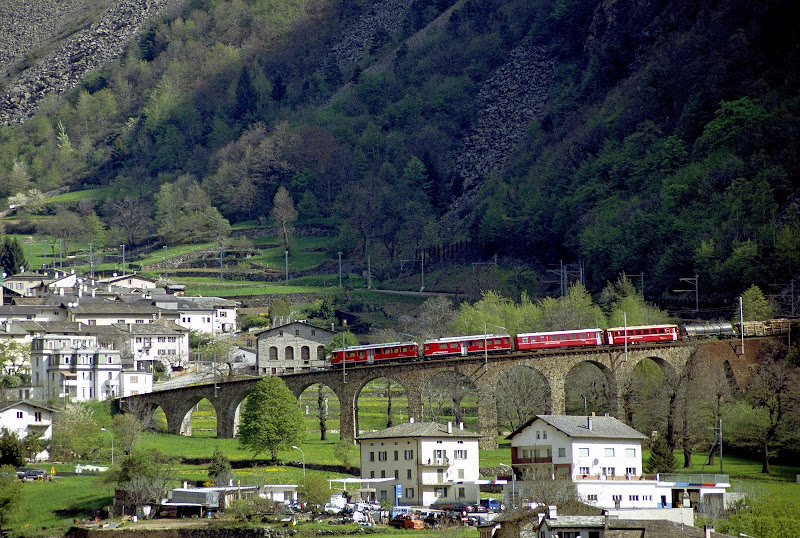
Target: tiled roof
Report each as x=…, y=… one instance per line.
x=418, y=429
x=578, y=426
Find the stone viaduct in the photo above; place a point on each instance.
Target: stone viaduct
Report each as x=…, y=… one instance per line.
x=615, y=365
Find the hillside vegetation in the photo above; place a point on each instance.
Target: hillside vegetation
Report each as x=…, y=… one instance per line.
x=642, y=137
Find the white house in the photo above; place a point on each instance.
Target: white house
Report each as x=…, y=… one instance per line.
x=430, y=463
x=603, y=456
x=211, y=315
x=23, y=418
x=74, y=367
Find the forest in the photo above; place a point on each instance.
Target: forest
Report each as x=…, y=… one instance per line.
x=666, y=143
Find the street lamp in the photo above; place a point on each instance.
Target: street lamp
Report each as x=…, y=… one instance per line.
x=486, y=347
x=112, y=444
x=304, y=458
x=513, y=485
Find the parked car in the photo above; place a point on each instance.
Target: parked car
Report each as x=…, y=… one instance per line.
x=407, y=521
x=35, y=474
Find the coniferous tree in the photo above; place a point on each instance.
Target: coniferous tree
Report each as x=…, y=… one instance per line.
x=12, y=450
x=662, y=459
x=219, y=470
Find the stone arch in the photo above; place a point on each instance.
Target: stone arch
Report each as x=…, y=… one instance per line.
x=609, y=395
x=273, y=353
x=394, y=401
x=323, y=401
x=321, y=353
x=452, y=388
x=305, y=354
x=521, y=392
x=179, y=415
x=288, y=353
x=652, y=379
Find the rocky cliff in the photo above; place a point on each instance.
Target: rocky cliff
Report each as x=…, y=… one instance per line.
x=48, y=46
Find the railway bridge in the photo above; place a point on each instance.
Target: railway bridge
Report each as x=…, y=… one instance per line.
x=615, y=363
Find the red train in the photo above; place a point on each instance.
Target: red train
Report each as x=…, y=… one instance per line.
x=477, y=344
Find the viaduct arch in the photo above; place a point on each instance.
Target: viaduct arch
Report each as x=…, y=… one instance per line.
x=226, y=396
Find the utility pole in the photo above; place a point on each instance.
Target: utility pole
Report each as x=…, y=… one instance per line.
x=286, y=255
x=340, y=268
x=220, y=263
x=91, y=262
x=166, y=271
x=123, y=258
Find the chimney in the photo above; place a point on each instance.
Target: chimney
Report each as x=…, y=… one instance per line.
x=461, y=426
x=589, y=421
x=61, y=291
x=185, y=484
x=94, y=292
x=552, y=512
x=449, y=427
x=411, y=420
x=707, y=530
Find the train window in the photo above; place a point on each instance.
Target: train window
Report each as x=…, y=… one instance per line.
x=395, y=350
x=454, y=345
x=404, y=349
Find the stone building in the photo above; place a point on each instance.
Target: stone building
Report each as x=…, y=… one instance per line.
x=294, y=347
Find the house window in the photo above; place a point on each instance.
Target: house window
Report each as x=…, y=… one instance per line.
x=396, y=455
x=608, y=471
x=591, y=497
x=616, y=497
x=409, y=492
x=461, y=474
x=19, y=414
x=461, y=454
x=583, y=452
x=371, y=456
x=408, y=454
x=134, y=379
x=441, y=493
x=396, y=474
x=608, y=452
x=562, y=452
x=544, y=435
x=630, y=470
x=408, y=474
x=383, y=473
x=538, y=435
x=633, y=497
x=382, y=456
x=462, y=492
x=372, y=474
x=37, y=416
x=630, y=452
x=583, y=470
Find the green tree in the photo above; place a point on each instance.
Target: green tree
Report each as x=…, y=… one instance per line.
x=316, y=491
x=219, y=469
x=755, y=306
x=12, y=449
x=12, y=257
x=34, y=444
x=11, y=496
x=662, y=459
x=144, y=475
x=271, y=419
x=75, y=433
x=347, y=337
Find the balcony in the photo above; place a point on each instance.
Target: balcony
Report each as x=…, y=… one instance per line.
x=444, y=461
x=528, y=461
x=694, y=479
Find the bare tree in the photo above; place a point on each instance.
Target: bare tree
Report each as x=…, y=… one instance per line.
x=283, y=211
x=541, y=485
x=445, y=392
x=522, y=393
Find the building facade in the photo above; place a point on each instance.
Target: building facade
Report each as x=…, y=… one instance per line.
x=431, y=463
x=603, y=456
x=294, y=347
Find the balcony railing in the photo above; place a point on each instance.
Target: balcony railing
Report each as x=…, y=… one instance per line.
x=540, y=459
x=694, y=478
x=443, y=461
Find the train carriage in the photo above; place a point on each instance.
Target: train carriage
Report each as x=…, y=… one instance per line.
x=642, y=333
x=559, y=339
x=370, y=354
x=461, y=346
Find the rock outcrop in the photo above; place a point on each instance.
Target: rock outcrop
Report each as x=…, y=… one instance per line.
x=31, y=25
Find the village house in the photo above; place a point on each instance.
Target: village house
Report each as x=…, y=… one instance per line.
x=293, y=347
x=211, y=315
x=24, y=417
x=431, y=463
x=603, y=456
